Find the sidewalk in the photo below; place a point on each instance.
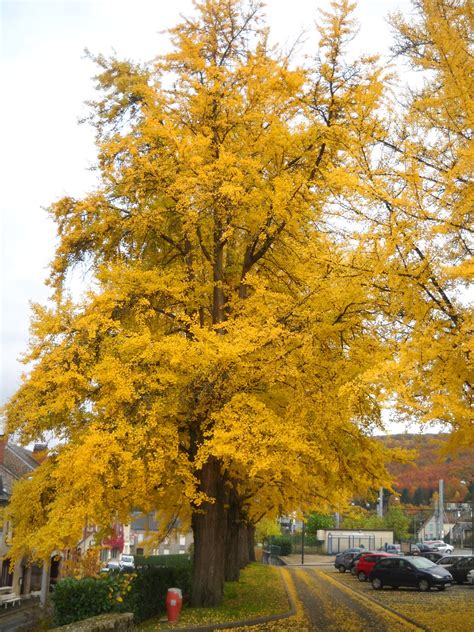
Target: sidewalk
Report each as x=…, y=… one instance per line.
x=17, y=617
x=309, y=560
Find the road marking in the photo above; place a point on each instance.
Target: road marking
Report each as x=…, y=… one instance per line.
x=372, y=603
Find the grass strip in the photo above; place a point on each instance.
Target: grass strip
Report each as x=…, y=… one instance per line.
x=260, y=592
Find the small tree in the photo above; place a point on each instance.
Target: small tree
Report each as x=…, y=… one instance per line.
x=266, y=528
x=397, y=520
x=317, y=521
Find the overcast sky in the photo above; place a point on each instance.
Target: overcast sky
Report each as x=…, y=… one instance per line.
x=46, y=154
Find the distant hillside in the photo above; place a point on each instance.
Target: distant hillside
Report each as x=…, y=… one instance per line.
x=417, y=482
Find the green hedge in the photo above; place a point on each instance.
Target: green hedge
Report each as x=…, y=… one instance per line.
x=143, y=593
x=282, y=541
x=147, y=597
x=175, y=561
x=77, y=599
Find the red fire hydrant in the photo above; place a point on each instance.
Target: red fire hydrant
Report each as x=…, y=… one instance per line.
x=174, y=601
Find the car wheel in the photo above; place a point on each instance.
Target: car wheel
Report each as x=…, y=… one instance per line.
x=362, y=576
x=377, y=583
x=341, y=568
x=424, y=585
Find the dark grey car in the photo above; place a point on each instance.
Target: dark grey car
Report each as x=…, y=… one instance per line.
x=343, y=560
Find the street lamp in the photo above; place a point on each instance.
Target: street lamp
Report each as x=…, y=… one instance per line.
x=470, y=486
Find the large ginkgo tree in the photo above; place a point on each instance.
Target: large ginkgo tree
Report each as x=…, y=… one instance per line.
x=232, y=355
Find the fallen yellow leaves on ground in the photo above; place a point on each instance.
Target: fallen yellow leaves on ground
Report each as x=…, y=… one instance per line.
x=439, y=612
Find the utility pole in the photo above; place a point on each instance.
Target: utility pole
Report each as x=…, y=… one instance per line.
x=440, y=525
x=470, y=486
x=380, y=504
x=302, y=543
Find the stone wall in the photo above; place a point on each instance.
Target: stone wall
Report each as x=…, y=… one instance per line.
x=101, y=623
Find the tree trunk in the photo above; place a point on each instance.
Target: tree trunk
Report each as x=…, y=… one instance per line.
x=209, y=527
x=243, y=545
x=251, y=541
x=232, y=566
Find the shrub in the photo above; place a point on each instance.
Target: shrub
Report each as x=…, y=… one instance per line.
x=143, y=593
x=282, y=541
x=76, y=599
x=147, y=596
x=175, y=561
x=312, y=540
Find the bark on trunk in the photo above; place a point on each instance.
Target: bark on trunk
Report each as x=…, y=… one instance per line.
x=209, y=527
x=251, y=542
x=243, y=546
x=232, y=566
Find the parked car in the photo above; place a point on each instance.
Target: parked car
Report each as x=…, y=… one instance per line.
x=433, y=556
x=355, y=560
x=409, y=571
x=461, y=568
x=112, y=565
x=344, y=559
x=366, y=563
x=439, y=545
x=448, y=560
x=394, y=549
x=424, y=548
x=127, y=562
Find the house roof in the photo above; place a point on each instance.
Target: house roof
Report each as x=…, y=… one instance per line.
x=23, y=455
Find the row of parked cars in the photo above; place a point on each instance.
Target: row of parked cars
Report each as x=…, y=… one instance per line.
x=420, y=571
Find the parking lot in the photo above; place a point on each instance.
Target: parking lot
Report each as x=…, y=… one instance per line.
x=433, y=610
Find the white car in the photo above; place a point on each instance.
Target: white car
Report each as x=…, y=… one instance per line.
x=127, y=562
x=440, y=546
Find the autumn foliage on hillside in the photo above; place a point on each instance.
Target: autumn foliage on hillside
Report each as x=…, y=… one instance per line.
x=431, y=463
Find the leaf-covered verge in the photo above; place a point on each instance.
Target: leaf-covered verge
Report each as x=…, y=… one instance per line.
x=259, y=592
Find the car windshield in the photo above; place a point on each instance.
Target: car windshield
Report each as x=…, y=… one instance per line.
x=422, y=562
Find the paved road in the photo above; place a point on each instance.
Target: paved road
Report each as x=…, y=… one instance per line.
x=323, y=604
x=327, y=606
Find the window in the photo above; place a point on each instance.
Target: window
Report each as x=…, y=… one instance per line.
x=388, y=563
x=469, y=561
x=166, y=552
x=182, y=540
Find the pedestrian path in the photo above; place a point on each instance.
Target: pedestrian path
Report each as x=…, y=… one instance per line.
x=295, y=559
x=19, y=617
